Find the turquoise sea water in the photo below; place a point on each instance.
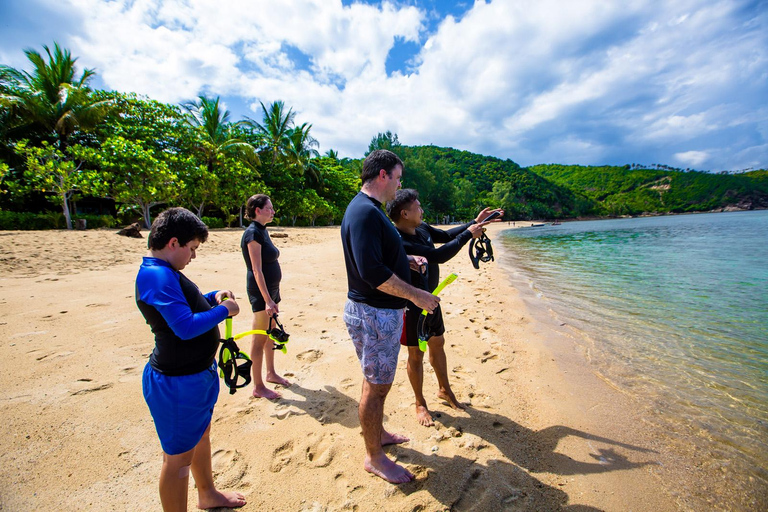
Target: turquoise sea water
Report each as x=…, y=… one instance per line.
x=673, y=310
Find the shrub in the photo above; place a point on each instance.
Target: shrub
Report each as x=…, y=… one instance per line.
x=213, y=222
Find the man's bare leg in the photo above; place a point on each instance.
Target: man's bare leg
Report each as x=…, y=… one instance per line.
x=207, y=495
x=371, y=413
x=258, y=342
x=438, y=361
x=416, y=376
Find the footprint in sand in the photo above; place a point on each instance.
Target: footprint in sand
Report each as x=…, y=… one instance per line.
x=487, y=356
x=281, y=457
x=472, y=491
x=229, y=469
x=54, y=356
x=320, y=450
x=347, y=383
x=309, y=356
x=91, y=390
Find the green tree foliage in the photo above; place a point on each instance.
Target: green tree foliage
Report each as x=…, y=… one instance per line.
x=50, y=171
x=132, y=174
x=633, y=190
x=59, y=138
x=50, y=98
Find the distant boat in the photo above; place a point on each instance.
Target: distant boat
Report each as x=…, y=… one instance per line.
x=537, y=225
x=556, y=223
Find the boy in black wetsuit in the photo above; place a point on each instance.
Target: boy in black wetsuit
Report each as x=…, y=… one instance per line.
x=180, y=380
x=419, y=239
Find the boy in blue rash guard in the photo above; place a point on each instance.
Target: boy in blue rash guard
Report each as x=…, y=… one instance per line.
x=180, y=380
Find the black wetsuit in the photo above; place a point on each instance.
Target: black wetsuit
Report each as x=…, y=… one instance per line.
x=422, y=243
x=373, y=251
x=270, y=267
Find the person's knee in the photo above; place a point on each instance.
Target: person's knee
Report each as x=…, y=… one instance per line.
x=371, y=390
x=415, y=356
x=184, y=471
x=436, y=342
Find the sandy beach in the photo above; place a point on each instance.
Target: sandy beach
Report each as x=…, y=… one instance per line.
x=541, y=432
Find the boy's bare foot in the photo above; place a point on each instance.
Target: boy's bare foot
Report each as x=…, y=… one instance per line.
x=217, y=499
x=422, y=414
x=276, y=379
x=388, y=470
x=265, y=392
x=449, y=397
x=387, y=438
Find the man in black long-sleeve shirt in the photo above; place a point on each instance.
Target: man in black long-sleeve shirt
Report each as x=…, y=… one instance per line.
x=379, y=288
x=419, y=239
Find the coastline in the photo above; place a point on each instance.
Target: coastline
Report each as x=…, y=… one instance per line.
x=690, y=466
x=542, y=432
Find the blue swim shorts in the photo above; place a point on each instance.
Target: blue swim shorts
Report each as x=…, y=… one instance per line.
x=181, y=406
x=375, y=332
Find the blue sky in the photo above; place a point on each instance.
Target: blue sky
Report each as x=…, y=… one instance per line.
x=590, y=82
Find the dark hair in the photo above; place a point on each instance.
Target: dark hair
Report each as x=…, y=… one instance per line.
x=177, y=223
x=256, y=201
x=403, y=199
x=378, y=160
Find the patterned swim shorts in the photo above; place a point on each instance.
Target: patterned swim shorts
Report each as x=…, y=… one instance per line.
x=375, y=333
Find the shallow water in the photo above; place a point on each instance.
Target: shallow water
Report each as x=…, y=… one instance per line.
x=673, y=310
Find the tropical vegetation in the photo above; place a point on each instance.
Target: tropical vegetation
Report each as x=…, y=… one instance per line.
x=67, y=150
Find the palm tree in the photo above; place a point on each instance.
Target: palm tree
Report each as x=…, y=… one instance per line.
x=50, y=98
x=51, y=104
x=332, y=154
x=216, y=139
x=273, y=133
x=302, y=150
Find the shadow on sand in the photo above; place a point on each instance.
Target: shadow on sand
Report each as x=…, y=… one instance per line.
x=499, y=485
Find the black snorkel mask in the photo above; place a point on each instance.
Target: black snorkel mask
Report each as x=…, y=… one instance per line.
x=234, y=364
x=278, y=335
x=480, y=249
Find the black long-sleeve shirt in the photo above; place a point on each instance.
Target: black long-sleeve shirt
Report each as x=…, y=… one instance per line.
x=373, y=252
x=422, y=243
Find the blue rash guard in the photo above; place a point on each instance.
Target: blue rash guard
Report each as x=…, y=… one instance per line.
x=183, y=320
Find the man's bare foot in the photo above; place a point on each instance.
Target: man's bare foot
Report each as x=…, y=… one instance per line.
x=387, y=438
x=422, y=414
x=388, y=470
x=265, y=392
x=449, y=397
x=217, y=499
x=276, y=379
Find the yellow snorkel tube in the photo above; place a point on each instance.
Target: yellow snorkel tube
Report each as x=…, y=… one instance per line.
x=445, y=282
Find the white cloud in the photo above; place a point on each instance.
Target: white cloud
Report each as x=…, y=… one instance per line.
x=537, y=81
x=693, y=158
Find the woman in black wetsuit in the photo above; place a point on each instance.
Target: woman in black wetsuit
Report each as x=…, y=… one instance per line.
x=263, y=285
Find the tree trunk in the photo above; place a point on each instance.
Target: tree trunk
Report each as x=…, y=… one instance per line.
x=145, y=213
x=241, y=215
x=65, y=210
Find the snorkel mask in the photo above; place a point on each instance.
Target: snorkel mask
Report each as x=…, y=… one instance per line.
x=278, y=335
x=233, y=363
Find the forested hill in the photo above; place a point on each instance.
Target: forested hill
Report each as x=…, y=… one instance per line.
x=458, y=183
x=453, y=182
x=633, y=191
